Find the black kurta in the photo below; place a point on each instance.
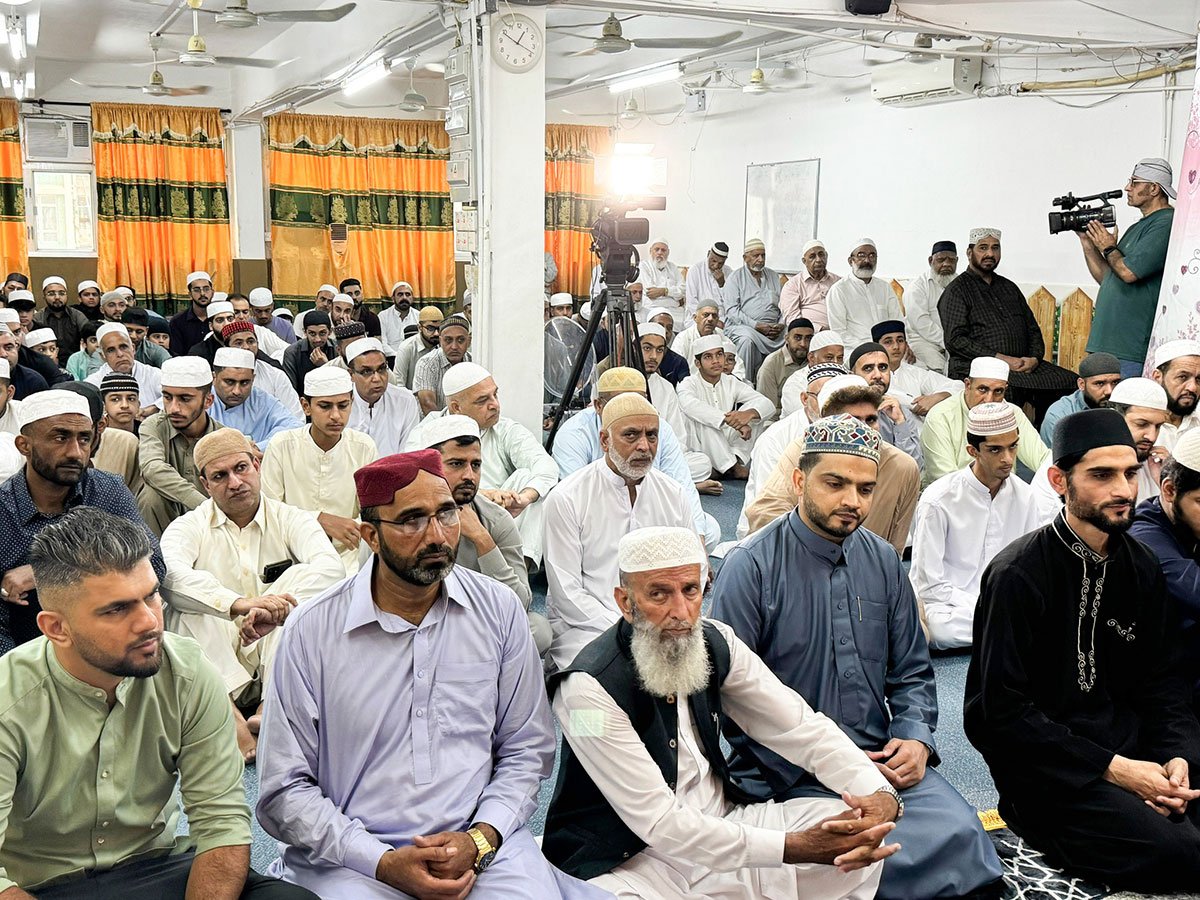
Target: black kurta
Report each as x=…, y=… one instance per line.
x=1076, y=660
x=982, y=319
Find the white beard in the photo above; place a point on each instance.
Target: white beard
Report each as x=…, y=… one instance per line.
x=660, y=266
x=628, y=469
x=942, y=281
x=669, y=665
x=864, y=272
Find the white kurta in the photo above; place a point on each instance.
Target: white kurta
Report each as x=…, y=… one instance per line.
x=392, y=325
x=699, y=843
x=1050, y=504
x=273, y=381
x=586, y=515
x=957, y=530
x=269, y=342
x=768, y=450
x=1168, y=435
x=701, y=285
x=389, y=421
x=514, y=459
x=856, y=306
x=211, y=563
x=705, y=406
x=791, y=395
x=149, y=381
x=924, y=330
x=666, y=401
x=910, y=382
x=298, y=472
x=683, y=346
x=653, y=274
x=9, y=424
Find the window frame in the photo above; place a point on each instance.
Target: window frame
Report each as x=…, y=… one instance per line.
x=31, y=222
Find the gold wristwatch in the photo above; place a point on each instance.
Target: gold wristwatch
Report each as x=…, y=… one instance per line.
x=487, y=853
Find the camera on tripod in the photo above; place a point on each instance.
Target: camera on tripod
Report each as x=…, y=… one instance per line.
x=1071, y=219
x=614, y=236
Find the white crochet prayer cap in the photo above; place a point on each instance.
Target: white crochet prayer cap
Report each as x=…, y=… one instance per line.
x=110, y=328
x=233, y=357
x=45, y=404
x=1163, y=355
x=657, y=311
x=863, y=242
x=1187, y=450
x=585, y=311
x=9, y=316
x=706, y=343
x=1140, y=392
x=445, y=428
x=399, y=284
x=461, y=376
x=327, y=381
x=837, y=383
x=361, y=346
x=562, y=298
x=991, y=418
x=40, y=336
x=285, y=312
x=978, y=234
x=84, y=285
x=824, y=339
x=659, y=547
x=219, y=307
x=20, y=294
x=262, y=297
x=111, y=295
x=989, y=367
x=198, y=276
x=809, y=245
x=53, y=279
x=186, y=372
x=128, y=292
x=647, y=328
x=343, y=298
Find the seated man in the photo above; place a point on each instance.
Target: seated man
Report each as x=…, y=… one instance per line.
x=268, y=374
x=262, y=310
x=1074, y=692
x=137, y=323
x=863, y=297
x=63, y=321
x=1177, y=369
x=898, y=424
x=239, y=404
x=102, y=702
x=645, y=805
x=57, y=440
x=911, y=383
x=588, y=513
x=827, y=606
x=117, y=349
x=159, y=332
x=895, y=496
x=674, y=368
x=752, y=317
x=963, y=520
x=724, y=415
x=220, y=314
x=436, y=800
x=10, y=421
x=578, y=443
x=385, y=411
x=454, y=345
x=1099, y=373
x=825, y=347
x=312, y=467
x=944, y=437
x=236, y=559
x=87, y=359
x=490, y=541
x=43, y=341
x=312, y=350
x=985, y=314
x=413, y=349
x=653, y=340
x=114, y=450
x=704, y=323
x=396, y=317
x=1169, y=526
x=786, y=361
x=171, y=485
x=921, y=297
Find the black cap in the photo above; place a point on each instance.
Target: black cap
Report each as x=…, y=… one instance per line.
x=17, y=276
x=1076, y=434
x=891, y=326
x=92, y=393
x=158, y=325
x=1099, y=364
x=942, y=246
x=136, y=316
x=799, y=322
x=317, y=317
x=862, y=350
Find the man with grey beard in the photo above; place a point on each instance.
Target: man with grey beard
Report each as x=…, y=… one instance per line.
x=862, y=298
x=921, y=305
x=645, y=805
x=588, y=513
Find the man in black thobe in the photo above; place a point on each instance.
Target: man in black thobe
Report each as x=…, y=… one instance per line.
x=985, y=314
x=1074, y=695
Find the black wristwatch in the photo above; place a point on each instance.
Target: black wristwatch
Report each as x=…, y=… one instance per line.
x=1108, y=251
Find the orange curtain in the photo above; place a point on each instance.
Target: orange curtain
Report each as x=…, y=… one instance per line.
x=572, y=201
x=14, y=252
x=163, y=202
x=362, y=198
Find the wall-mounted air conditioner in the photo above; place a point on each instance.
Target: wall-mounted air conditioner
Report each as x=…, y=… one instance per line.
x=47, y=139
x=907, y=83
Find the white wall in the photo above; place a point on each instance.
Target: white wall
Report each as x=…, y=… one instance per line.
x=908, y=177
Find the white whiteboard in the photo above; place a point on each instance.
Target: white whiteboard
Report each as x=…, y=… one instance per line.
x=781, y=209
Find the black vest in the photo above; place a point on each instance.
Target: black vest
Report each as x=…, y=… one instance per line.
x=584, y=835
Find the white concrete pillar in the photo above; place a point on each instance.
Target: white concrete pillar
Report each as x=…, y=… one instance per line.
x=247, y=190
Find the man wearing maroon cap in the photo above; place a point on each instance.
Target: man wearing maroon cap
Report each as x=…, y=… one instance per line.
x=406, y=728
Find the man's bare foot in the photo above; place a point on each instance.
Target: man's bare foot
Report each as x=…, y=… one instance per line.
x=710, y=486
x=738, y=472
x=246, y=740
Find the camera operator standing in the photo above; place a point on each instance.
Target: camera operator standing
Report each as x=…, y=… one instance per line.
x=1130, y=270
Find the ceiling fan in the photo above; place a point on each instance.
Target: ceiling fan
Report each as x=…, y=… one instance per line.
x=612, y=40
x=197, y=54
x=757, y=84
x=630, y=112
x=236, y=14
x=155, y=88
x=413, y=101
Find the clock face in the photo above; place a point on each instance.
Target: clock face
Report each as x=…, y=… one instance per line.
x=516, y=42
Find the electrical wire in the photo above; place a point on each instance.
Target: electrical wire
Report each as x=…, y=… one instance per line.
x=1125, y=15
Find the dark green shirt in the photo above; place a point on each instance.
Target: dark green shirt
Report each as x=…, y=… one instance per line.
x=1125, y=312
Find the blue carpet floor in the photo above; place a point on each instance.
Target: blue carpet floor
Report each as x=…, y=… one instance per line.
x=961, y=765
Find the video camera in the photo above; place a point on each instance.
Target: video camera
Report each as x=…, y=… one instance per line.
x=614, y=236
x=1072, y=219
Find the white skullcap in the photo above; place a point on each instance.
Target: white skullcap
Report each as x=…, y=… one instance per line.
x=124, y=291
x=978, y=234
x=84, y=285
x=657, y=311
x=1139, y=392
x=823, y=339
x=9, y=316
x=585, y=311
x=233, y=358
x=445, y=428
x=652, y=328
x=45, y=404
x=728, y=345
x=327, y=287
x=989, y=367
x=219, y=308
x=361, y=346
x=1187, y=450
x=53, y=279
x=186, y=372
x=1164, y=354
x=808, y=246
x=660, y=241
x=5, y=372
x=343, y=298
x=112, y=295
x=217, y=297
x=837, y=383
x=198, y=276
x=659, y=547
x=400, y=284
x=20, y=294
x=985, y=419
x=863, y=242
x=468, y=298
x=262, y=297
x=40, y=336
x=706, y=343
x=562, y=298
x=461, y=376
x=285, y=312
x=327, y=381
x=110, y=328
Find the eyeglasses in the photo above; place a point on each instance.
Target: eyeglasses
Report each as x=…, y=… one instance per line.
x=415, y=525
